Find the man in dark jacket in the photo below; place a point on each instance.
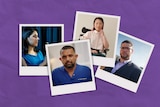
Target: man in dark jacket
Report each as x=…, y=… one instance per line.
x=124, y=67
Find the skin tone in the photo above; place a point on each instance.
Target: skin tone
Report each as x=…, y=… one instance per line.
x=125, y=51
x=33, y=38
x=98, y=25
x=68, y=58
x=24, y=62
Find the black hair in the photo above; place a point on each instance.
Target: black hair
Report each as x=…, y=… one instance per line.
x=127, y=41
x=25, y=43
x=67, y=47
x=100, y=18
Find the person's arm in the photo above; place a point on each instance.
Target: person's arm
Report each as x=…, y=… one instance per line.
x=104, y=40
x=24, y=62
x=44, y=63
x=86, y=35
x=135, y=75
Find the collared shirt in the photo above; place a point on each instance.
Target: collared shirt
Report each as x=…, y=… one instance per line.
x=34, y=60
x=95, y=39
x=119, y=65
x=81, y=74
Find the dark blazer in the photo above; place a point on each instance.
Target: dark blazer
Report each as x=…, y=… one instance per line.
x=129, y=71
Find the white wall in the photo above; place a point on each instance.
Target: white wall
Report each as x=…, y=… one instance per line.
x=111, y=28
x=82, y=49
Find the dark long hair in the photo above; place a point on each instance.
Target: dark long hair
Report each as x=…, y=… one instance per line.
x=100, y=18
x=25, y=43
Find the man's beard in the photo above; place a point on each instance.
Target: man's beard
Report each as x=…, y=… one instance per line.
x=70, y=65
x=125, y=57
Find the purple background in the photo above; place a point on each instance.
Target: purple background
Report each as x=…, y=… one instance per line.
x=138, y=17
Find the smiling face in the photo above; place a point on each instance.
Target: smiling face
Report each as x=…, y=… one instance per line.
x=33, y=39
x=68, y=58
x=98, y=24
x=126, y=51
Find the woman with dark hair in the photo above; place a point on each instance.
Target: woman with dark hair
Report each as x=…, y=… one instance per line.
x=97, y=38
x=31, y=55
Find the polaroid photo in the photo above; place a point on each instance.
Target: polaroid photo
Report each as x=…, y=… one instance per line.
x=70, y=67
x=32, y=41
x=132, y=56
x=102, y=31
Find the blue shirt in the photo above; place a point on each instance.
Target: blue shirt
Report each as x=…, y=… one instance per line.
x=81, y=74
x=34, y=60
x=118, y=65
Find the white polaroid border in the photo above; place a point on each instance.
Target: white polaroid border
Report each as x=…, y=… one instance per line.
x=112, y=23
x=75, y=87
x=122, y=82
x=34, y=70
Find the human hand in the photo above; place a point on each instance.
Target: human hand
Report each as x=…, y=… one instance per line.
x=101, y=33
x=94, y=51
x=24, y=62
x=102, y=67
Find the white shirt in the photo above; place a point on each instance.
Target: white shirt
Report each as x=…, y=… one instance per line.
x=95, y=39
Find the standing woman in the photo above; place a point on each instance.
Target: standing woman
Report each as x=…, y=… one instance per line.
x=98, y=40
x=32, y=56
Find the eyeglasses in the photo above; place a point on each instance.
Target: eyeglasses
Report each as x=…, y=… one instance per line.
x=127, y=48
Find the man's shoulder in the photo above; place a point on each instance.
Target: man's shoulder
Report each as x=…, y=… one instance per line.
x=83, y=67
x=57, y=70
x=136, y=67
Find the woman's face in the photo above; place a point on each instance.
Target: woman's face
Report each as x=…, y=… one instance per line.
x=98, y=25
x=33, y=39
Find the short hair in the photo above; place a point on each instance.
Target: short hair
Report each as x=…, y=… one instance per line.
x=100, y=18
x=67, y=47
x=127, y=41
